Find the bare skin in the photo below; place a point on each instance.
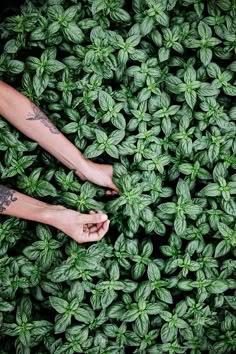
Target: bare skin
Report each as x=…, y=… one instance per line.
x=31, y=121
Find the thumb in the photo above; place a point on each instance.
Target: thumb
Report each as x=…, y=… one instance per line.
x=92, y=218
x=113, y=186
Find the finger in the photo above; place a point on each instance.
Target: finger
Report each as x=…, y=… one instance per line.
x=92, y=218
x=96, y=227
x=111, y=192
x=100, y=233
x=85, y=229
x=99, y=224
x=91, y=212
x=93, y=229
x=113, y=186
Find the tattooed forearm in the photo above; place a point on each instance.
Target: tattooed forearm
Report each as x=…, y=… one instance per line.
x=6, y=197
x=37, y=114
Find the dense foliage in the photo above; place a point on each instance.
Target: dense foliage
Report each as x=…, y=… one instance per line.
x=149, y=86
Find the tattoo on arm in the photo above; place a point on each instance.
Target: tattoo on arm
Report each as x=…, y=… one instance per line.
x=6, y=197
x=37, y=114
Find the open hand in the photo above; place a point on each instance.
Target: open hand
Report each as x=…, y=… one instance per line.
x=100, y=174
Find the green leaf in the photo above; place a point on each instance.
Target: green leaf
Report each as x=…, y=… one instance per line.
x=93, y=151
x=163, y=54
x=62, y=322
x=122, y=57
x=213, y=70
x=15, y=67
x=180, y=225
x=163, y=19
x=70, y=13
x=182, y=189
x=229, y=90
x=191, y=98
x=186, y=168
x=120, y=15
x=134, y=40
x=185, y=285
x=45, y=188
x=205, y=55
x=211, y=190
x=231, y=300
x=84, y=316
x=181, y=323
x=11, y=46
x=218, y=287
x=40, y=84
x=142, y=324
x=73, y=33
x=168, y=208
x=164, y=295
x=168, y=333
x=154, y=309
x=144, y=95
x=6, y=306
x=204, y=30
x=58, y=304
x=53, y=28
x=146, y=25
x=101, y=136
x=117, y=136
x=222, y=249
x=130, y=315
x=98, y=5
x=119, y=121
x=147, y=248
x=106, y=102
x=54, y=66
x=112, y=151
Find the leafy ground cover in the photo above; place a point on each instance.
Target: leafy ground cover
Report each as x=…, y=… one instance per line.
x=148, y=86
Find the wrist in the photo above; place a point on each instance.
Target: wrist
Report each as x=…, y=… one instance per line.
x=49, y=214
x=82, y=167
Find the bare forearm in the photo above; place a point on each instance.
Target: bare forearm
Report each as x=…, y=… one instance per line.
x=72, y=223
x=31, y=121
x=17, y=204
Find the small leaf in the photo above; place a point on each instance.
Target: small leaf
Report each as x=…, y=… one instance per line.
x=40, y=83
x=106, y=101
x=222, y=249
x=168, y=333
x=112, y=151
x=117, y=136
x=205, y=55
x=73, y=33
x=153, y=272
x=180, y=225
x=164, y=295
x=146, y=25
x=58, y=304
x=218, y=287
x=93, y=151
x=231, y=300
x=211, y=190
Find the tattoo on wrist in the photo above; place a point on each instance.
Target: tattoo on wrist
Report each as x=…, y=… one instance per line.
x=37, y=114
x=6, y=197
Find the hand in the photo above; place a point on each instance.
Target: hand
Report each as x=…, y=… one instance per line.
x=81, y=227
x=100, y=174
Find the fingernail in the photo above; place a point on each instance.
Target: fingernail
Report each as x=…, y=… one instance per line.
x=103, y=217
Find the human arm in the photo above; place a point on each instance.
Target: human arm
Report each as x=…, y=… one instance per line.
x=32, y=122
x=80, y=227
